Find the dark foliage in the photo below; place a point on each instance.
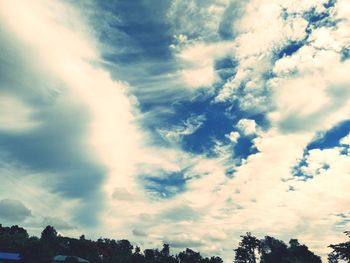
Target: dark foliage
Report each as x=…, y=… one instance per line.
x=248, y=249
x=271, y=250
x=340, y=251
x=105, y=250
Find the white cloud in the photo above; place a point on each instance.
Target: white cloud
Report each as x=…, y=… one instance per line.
x=254, y=49
x=247, y=126
x=317, y=97
x=345, y=140
x=204, y=53
x=198, y=60
x=200, y=77
x=188, y=127
x=197, y=19
x=233, y=136
x=320, y=161
x=16, y=116
x=293, y=95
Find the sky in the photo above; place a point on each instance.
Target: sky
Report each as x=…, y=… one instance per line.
x=188, y=122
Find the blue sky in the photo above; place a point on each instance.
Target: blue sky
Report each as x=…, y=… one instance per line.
x=188, y=122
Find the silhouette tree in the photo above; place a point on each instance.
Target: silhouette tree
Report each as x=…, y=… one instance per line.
x=189, y=256
x=273, y=250
x=248, y=250
x=166, y=250
x=137, y=257
x=149, y=255
x=301, y=253
x=49, y=241
x=165, y=256
x=34, y=251
x=12, y=238
x=332, y=258
x=104, y=250
x=212, y=260
x=49, y=234
x=340, y=251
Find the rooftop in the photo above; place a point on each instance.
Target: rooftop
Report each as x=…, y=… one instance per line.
x=9, y=256
x=62, y=258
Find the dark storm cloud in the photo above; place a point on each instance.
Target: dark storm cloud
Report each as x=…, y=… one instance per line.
x=13, y=211
x=182, y=243
x=140, y=233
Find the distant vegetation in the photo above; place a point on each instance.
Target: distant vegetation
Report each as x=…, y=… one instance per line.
x=104, y=250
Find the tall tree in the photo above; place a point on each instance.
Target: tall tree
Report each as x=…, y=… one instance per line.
x=189, y=256
x=301, y=253
x=164, y=256
x=248, y=249
x=49, y=234
x=13, y=238
x=166, y=250
x=273, y=251
x=49, y=240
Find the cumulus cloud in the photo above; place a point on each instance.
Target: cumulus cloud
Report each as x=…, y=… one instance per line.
x=198, y=62
x=248, y=127
x=13, y=211
x=233, y=136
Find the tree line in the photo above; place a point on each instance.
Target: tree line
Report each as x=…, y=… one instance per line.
x=104, y=250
